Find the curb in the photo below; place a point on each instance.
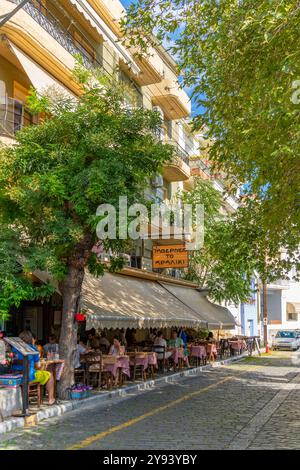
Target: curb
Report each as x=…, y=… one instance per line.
x=12, y=424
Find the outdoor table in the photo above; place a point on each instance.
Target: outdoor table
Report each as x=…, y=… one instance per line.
x=198, y=351
x=211, y=348
x=123, y=365
x=55, y=367
x=237, y=345
x=139, y=361
x=178, y=353
x=152, y=359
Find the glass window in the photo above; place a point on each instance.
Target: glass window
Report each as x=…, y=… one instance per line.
x=286, y=334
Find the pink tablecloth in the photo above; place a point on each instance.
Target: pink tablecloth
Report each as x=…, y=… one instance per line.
x=198, y=351
x=237, y=345
x=211, y=348
x=152, y=359
x=140, y=361
x=177, y=354
x=121, y=363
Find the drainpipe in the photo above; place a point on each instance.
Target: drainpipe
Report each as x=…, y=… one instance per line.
x=8, y=16
x=265, y=313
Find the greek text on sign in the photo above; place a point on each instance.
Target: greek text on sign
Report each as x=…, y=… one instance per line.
x=170, y=256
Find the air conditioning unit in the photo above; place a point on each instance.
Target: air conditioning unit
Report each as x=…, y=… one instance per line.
x=127, y=258
x=157, y=182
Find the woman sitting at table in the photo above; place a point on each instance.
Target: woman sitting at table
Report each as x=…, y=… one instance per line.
x=35, y=374
x=177, y=342
x=116, y=348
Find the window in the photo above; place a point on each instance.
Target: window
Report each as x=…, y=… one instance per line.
x=133, y=96
x=286, y=334
x=22, y=117
x=84, y=46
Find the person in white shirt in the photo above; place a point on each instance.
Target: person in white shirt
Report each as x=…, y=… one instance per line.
x=80, y=349
x=52, y=346
x=161, y=342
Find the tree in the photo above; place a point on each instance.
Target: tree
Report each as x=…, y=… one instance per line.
x=228, y=260
x=84, y=153
x=241, y=58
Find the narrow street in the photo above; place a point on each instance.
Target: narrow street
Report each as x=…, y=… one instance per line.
x=246, y=405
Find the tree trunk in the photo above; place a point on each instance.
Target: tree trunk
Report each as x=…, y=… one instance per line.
x=71, y=290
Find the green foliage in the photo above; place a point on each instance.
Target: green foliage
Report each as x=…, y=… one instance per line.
x=85, y=153
x=234, y=248
x=241, y=58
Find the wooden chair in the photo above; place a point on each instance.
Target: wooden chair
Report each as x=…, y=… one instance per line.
x=80, y=374
x=161, y=361
x=35, y=393
x=94, y=368
x=139, y=368
x=109, y=379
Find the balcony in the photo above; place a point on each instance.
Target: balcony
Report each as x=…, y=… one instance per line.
x=172, y=99
x=179, y=168
x=52, y=26
x=13, y=116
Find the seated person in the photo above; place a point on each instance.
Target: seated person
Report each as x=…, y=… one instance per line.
x=52, y=346
x=116, y=349
x=103, y=341
x=35, y=374
x=81, y=348
x=175, y=342
x=161, y=342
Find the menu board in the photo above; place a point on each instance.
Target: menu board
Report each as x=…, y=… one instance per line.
x=21, y=346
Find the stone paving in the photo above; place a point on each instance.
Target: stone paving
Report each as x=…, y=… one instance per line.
x=251, y=404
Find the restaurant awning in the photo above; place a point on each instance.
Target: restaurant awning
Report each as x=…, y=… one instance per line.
x=40, y=79
x=215, y=316
x=119, y=301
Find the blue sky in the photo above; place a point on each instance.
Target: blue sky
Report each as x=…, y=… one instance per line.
x=126, y=2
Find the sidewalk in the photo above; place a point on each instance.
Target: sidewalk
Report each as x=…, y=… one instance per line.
x=11, y=424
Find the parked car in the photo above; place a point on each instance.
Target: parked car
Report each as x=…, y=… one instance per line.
x=287, y=339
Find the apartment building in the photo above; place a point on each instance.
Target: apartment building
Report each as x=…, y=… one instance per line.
x=38, y=46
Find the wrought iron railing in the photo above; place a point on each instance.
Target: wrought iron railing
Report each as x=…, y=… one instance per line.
x=13, y=116
x=50, y=24
x=180, y=152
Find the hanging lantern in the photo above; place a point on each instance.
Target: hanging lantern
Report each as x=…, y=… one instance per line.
x=80, y=317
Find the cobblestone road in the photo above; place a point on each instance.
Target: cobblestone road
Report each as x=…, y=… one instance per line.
x=251, y=404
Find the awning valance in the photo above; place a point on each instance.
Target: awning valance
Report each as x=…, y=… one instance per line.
x=293, y=307
x=40, y=79
x=215, y=316
x=99, y=25
x=119, y=301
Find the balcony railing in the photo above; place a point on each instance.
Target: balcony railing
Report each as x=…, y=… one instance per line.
x=13, y=116
x=180, y=152
x=50, y=24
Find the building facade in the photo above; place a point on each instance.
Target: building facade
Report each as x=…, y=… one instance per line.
x=38, y=48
